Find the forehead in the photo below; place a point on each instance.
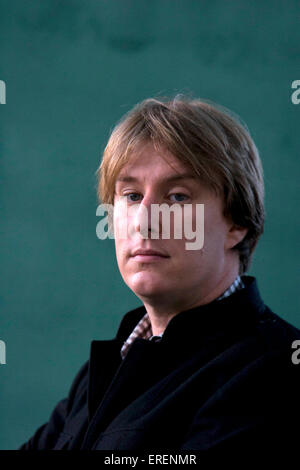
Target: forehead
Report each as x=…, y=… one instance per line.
x=150, y=163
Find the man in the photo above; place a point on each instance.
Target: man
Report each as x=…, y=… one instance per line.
x=203, y=364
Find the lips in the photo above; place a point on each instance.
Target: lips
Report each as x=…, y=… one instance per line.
x=149, y=253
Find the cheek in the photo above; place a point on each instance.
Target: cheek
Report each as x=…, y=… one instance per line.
x=215, y=230
x=120, y=252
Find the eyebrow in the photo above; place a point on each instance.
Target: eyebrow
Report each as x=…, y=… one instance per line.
x=132, y=179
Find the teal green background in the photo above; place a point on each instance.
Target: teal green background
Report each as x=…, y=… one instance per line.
x=72, y=68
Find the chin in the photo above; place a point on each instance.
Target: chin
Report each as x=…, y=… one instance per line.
x=147, y=284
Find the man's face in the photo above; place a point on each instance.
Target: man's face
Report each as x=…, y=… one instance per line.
x=182, y=276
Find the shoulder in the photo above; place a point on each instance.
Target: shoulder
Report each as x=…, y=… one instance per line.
x=78, y=389
x=278, y=339
x=275, y=331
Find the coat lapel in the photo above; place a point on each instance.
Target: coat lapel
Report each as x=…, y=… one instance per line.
x=109, y=392
x=105, y=358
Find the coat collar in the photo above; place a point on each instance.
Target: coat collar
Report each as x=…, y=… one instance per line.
x=232, y=311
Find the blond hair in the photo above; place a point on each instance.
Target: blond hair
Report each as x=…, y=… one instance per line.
x=208, y=139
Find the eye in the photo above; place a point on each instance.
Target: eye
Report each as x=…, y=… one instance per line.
x=128, y=196
x=180, y=196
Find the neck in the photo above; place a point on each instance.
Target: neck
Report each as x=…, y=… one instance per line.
x=161, y=310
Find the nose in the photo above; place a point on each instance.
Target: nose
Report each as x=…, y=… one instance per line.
x=142, y=219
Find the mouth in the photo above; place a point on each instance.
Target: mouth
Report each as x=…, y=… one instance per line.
x=148, y=256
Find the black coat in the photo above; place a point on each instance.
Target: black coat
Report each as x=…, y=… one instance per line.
x=221, y=378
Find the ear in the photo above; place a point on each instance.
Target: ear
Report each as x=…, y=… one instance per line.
x=234, y=236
